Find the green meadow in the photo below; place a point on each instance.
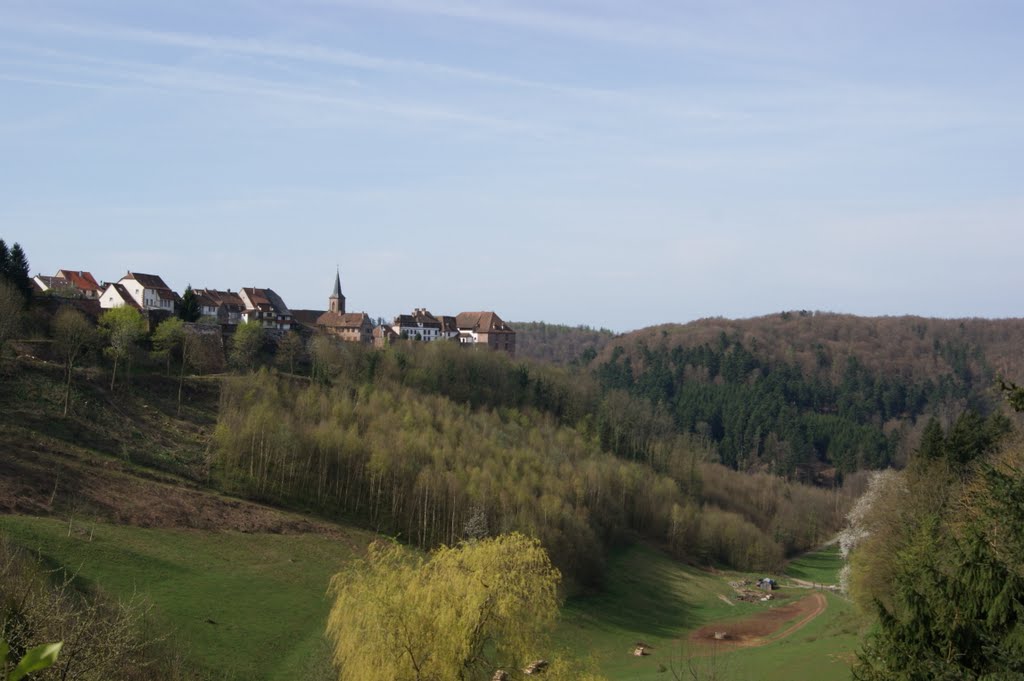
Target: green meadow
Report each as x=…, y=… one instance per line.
x=243, y=606
x=821, y=566
x=252, y=606
x=656, y=600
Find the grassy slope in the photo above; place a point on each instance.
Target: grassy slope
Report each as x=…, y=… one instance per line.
x=820, y=567
x=266, y=592
x=653, y=599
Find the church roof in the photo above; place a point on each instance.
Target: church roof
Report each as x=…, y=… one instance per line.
x=337, y=285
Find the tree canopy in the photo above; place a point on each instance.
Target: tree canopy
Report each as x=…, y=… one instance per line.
x=942, y=567
x=124, y=328
x=460, y=613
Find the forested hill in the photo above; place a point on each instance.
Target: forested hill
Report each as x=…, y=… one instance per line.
x=559, y=343
x=803, y=392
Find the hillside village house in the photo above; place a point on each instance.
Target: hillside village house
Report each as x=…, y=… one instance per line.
x=469, y=328
x=420, y=325
x=266, y=307
x=77, y=283
x=486, y=328
x=383, y=336
x=148, y=291
x=53, y=285
x=224, y=306
x=117, y=295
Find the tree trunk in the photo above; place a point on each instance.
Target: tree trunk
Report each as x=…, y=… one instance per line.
x=113, y=374
x=67, y=390
x=181, y=379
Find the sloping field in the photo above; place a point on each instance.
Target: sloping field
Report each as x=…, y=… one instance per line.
x=817, y=567
x=243, y=606
x=652, y=599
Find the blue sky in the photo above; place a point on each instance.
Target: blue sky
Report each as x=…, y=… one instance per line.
x=580, y=161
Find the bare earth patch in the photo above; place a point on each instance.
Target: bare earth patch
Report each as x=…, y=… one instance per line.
x=764, y=627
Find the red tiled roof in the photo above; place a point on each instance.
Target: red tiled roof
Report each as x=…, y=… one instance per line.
x=265, y=299
x=227, y=299
x=482, y=322
x=350, y=320
x=83, y=281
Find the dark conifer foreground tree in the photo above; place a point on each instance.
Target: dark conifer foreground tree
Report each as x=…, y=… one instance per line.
x=14, y=267
x=958, y=601
x=5, y=259
x=189, y=310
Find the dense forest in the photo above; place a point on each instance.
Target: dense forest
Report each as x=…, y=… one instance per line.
x=432, y=443
x=812, y=394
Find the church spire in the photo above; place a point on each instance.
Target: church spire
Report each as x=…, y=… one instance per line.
x=336, y=303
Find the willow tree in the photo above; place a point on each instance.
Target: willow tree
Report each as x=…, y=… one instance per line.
x=460, y=613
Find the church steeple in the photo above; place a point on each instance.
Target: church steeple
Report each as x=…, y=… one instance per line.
x=337, y=301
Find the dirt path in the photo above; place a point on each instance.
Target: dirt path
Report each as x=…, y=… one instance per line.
x=764, y=627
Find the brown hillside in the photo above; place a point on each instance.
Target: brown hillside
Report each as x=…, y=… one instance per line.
x=912, y=347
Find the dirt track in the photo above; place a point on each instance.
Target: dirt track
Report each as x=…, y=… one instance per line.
x=765, y=627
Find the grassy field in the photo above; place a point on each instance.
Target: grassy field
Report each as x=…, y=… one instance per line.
x=653, y=599
x=252, y=606
x=820, y=567
x=247, y=606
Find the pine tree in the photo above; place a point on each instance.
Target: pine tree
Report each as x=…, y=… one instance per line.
x=5, y=259
x=18, y=271
x=189, y=310
x=933, y=441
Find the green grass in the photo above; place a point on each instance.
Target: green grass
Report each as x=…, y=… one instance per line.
x=820, y=567
x=651, y=598
x=266, y=595
x=265, y=592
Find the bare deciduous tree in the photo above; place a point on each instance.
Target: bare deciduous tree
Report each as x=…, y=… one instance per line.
x=72, y=336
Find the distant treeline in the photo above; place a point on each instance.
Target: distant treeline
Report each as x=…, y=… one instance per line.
x=801, y=392
x=434, y=444
x=559, y=343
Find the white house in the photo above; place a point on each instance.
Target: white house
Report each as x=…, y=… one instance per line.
x=147, y=290
x=116, y=295
x=420, y=325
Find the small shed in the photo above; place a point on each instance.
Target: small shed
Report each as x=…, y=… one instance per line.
x=767, y=584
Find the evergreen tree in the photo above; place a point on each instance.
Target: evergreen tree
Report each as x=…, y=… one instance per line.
x=18, y=271
x=5, y=259
x=933, y=441
x=189, y=310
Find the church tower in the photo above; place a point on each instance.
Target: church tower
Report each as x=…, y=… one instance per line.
x=337, y=301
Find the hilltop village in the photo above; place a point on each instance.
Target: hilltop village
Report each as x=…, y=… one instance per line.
x=149, y=294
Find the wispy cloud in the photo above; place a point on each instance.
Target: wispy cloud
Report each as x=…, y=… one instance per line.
x=303, y=52
x=618, y=29
x=113, y=75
